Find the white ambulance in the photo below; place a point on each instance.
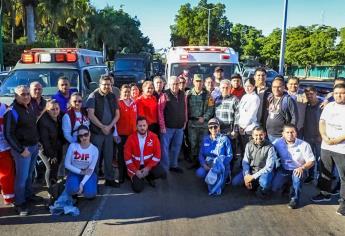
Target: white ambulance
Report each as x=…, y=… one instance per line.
x=201, y=60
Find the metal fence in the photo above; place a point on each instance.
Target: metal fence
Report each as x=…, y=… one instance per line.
x=317, y=72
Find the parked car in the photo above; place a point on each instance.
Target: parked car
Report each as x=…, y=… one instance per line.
x=3, y=75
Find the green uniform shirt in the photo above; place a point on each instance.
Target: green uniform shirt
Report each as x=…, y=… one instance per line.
x=199, y=105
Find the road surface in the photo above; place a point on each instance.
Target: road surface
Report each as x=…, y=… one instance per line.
x=179, y=206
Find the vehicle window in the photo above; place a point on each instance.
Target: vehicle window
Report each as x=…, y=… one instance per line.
x=48, y=79
x=205, y=69
x=129, y=65
x=96, y=72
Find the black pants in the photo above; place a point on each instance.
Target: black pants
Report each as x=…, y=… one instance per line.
x=328, y=159
x=121, y=158
x=155, y=173
x=51, y=174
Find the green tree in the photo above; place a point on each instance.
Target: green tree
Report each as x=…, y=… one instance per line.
x=269, y=51
x=191, y=25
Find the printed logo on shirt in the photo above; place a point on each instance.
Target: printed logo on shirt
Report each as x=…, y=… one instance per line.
x=206, y=144
x=150, y=143
x=81, y=156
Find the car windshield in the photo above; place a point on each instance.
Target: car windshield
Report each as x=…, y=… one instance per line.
x=129, y=65
x=205, y=69
x=47, y=77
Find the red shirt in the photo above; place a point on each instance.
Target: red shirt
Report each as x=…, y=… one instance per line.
x=239, y=92
x=126, y=125
x=151, y=154
x=148, y=108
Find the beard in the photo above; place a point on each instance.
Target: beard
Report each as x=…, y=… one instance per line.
x=142, y=132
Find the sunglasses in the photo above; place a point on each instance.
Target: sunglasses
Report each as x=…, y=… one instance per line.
x=85, y=135
x=213, y=127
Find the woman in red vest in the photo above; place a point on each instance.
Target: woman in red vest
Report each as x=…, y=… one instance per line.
x=126, y=125
x=148, y=106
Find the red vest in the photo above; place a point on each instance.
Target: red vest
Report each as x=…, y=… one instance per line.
x=151, y=152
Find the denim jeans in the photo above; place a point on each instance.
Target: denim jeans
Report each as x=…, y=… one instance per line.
x=171, y=142
x=73, y=182
x=264, y=181
x=283, y=177
x=316, y=149
x=24, y=170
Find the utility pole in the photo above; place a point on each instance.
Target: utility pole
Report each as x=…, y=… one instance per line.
x=208, y=25
x=283, y=39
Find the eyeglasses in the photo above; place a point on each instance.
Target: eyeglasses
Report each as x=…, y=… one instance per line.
x=24, y=94
x=213, y=127
x=77, y=101
x=106, y=85
x=85, y=135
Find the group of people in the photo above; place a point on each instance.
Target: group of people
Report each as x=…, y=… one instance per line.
x=243, y=133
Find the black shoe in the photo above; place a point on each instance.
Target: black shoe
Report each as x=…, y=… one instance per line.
x=309, y=180
x=259, y=193
x=292, y=204
x=112, y=183
x=151, y=182
x=22, y=209
x=35, y=199
x=194, y=165
x=321, y=198
x=341, y=209
x=176, y=170
x=335, y=191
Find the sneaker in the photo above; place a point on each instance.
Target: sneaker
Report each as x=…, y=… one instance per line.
x=22, y=209
x=335, y=191
x=112, y=183
x=321, y=198
x=292, y=204
x=176, y=170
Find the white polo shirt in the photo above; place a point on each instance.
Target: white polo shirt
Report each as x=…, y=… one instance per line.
x=334, y=116
x=295, y=155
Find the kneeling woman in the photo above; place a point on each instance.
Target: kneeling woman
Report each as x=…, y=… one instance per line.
x=81, y=159
x=214, y=157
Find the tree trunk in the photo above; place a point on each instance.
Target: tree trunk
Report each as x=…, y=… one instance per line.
x=30, y=23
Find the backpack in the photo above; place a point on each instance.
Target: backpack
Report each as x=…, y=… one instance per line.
x=284, y=106
x=73, y=118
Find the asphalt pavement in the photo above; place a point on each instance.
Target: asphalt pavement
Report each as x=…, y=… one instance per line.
x=180, y=205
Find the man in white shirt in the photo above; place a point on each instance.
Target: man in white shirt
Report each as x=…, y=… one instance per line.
x=296, y=158
x=332, y=130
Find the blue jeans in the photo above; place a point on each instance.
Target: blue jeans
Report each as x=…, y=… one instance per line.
x=264, y=180
x=73, y=182
x=24, y=170
x=283, y=177
x=171, y=142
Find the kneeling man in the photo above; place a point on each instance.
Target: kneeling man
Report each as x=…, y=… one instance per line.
x=296, y=158
x=142, y=155
x=258, y=164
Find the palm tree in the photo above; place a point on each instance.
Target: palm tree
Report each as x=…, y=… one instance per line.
x=30, y=6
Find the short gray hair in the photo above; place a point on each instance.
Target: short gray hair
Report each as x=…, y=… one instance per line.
x=225, y=81
x=20, y=87
x=33, y=84
x=172, y=79
x=158, y=78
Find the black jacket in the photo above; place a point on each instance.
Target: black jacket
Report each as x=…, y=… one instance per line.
x=51, y=136
x=20, y=127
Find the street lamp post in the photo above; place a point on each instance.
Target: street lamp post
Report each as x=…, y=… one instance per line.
x=208, y=25
x=283, y=39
